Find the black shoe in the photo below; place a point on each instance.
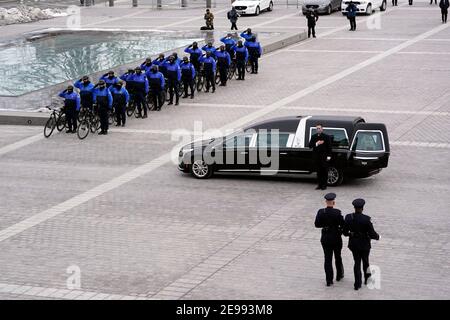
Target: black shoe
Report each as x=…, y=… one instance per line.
x=138, y=116
x=159, y=109
x=74, y=131
x=177, y=103
x=170, y=103
x=192, y=97
x=105, y=133
x=366, y=277
x=324, y=188
x=145, y=116
x=184, y=97
x=123, y=124
x=213, y=90
x=339, y=278
x=357, y=287
x=69, y=131
x=100, y=133
x=207, y=90
x=329, y=284
x=118, y=125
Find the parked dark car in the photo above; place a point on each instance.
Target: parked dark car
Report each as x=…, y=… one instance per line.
x=280, y=145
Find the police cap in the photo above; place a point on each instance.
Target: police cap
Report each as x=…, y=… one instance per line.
x=330, y=196
x=358, y=203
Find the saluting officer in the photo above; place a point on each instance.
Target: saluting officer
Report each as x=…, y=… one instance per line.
x=332, y=223
x=360, y=231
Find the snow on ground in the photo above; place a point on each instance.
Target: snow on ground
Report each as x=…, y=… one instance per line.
x=23, y=14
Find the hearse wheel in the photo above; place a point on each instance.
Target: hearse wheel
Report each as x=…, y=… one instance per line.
x=335, y=176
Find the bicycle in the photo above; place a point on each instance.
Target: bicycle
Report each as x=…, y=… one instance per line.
x=232, y=70
x=89, y=123
x=56, y=120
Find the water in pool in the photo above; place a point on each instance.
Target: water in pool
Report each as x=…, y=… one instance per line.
x=49, y=59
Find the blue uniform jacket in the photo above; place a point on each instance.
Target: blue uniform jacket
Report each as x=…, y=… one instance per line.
x=246, y=36
x=71, y=96
x=210, y=61
x=122, y=90
x=212, y=49
x=229, y=42
x=173, y=68
x=84, y=89
x=139, y=80
x=109, y=81
x=103, y=93
x=241, y=51
x=195, y=53
x=188, y=66
x=253, y=47
x=156, y=76
x=146, y=67
x=223, y=57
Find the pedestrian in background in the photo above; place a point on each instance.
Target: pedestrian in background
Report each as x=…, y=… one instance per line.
x=332, y=224
x=312, y=17
x=233, y=16
x=360, y=231
x=394, y=3
x=351, y=15
x=444, y=4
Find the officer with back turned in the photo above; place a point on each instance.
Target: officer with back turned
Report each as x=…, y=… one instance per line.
x=360, y=231
x=332, y=223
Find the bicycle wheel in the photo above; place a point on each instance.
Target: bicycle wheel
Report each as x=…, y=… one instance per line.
x=83, y=129
x=131, y=108
x=164, y=97
x=200, y=83
x=180, y=88
x=94, y=124
x=50, y=125
x=217, y=78
x=61, y=123
x=248, y=67
x=111, y=116
x=231, y=71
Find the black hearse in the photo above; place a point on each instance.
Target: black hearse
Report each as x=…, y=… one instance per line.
x=280, y=145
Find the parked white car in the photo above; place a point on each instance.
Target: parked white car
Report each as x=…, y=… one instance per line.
x=364, y=6
x=252, y=6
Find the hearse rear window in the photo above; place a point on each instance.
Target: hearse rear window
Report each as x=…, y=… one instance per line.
x=367, y=140
x=339, y=138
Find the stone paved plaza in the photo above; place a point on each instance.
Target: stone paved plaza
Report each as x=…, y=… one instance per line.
x=117, y=208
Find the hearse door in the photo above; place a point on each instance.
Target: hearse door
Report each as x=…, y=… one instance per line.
x=370, y=146
x=238, y=154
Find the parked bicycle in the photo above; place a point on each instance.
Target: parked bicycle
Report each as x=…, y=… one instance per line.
x=89, y=123
x=57, y=120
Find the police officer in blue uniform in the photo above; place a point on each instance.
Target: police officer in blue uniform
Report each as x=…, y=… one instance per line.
x=140, y=85
x=109, y=78
x=209, y=67
x=360, y=231
x=86, y=88
x=223, y=63
x=104, y=100
x=188, y=76
x=229, y=43
x=254, y=52
x=241, y=54
x=156, y=83
x=332, y=224
x=247, y=34
x=194, y=54
x=173, y=79
x=120, y=99
x=71, y=107
x=146, y=65
x=209, y=48
x=161, y=63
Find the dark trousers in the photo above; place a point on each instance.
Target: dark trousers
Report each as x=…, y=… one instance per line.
x=233, y=26
x=352, y=23
x=71, y=117
x=103, y=114
x=328, y=251
x=210, y=81
x=86, y=104
x=394, y=2
x=361, y=256
x=311, y=30
x=410, y=2
x=240, y=65
x=188, y=83
x=157, y=98
x=435, y=2
x=223, y=72
x=139, y=99
x=444, y=13
x=173, y=90
x=254, y=63
x=322, y=173
x=120, y=114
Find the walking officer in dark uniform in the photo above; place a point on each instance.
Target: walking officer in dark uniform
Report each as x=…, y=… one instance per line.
x=360, y=231
x=312, y=17
x=332, y=224
x=321, y=145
